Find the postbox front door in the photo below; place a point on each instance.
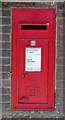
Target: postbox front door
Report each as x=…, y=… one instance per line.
x=33, y=71
x=33, y=57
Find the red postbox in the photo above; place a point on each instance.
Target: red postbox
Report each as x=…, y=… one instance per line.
x=33, y=59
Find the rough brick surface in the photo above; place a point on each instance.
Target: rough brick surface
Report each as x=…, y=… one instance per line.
x=60, y=14
x=5, y=90
x=6, y=60
x=6, y=106
x=5, y=98
x=5, y=53
x=59, y=76
x=60, y=5
x=60, y=22
x=58, y=100
x=59, y=69
x=5, y=37
x=5, y=21
x=6, y=29
x=6, y=13
x=59, y=52
x=6, y=68
x=5, y=75
x=5, y=45
x=60, y=37
x=5, y=83
x=14, y=4
x=6, y=4
x=60, y=61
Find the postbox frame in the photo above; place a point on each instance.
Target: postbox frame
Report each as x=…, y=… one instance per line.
x=51, y=85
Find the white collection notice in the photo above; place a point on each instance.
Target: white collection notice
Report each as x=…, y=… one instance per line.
x=33, y=59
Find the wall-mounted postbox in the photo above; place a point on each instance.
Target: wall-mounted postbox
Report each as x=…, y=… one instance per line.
x=33, y=59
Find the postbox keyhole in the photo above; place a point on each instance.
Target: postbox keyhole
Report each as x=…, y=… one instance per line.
x=24, y=75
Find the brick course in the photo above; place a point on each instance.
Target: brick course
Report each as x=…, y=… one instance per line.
x=5, y=45
x=6, y=13
x=5, y=21
x=5, y=37
x=6, y=61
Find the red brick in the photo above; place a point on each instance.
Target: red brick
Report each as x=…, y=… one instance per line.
x=63, y=71
x=59, y=69
x=5, y=98
x=5, y=83
x=0, y=37
x=5, y=75
x=64, y=84
x=5, y=45
x=59, y=93
x=6, y=4
x=47, y=4
x=33, y=4
x=64, y=23
x=5, y=106
x=59, y=61
x=6, y=29
x=0, y=45
x=0, y=52
x=5, y=61
x=64, y=92
x=58, y=100
x=0, y=76
x=60, y=13
x=0, y=83
x=0, y=12
x=59, y=108
x=64, y=59
x=64, y=109
x=0, y=61
x=60, y=30
x=5, y=21
x=5, y=53
x=6, y=13
x=60, y=5
x=60, y=22
x=59, y=53
x=63, y=5
x=5, y=90
x=59, y=84
x=22, y=116
x=22, y=4
x=5, y=37
x=5, y=68
x=0, y=90
x=64, y=96
x=63, y=75
x=63, y=13
x=60, y=46
x=0, y=29
x=59, y=76
x=60, y=38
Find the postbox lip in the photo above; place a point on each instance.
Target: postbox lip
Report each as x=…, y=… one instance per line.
x=37, y=9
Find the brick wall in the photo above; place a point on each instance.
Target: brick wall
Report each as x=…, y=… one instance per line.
x=6, y=33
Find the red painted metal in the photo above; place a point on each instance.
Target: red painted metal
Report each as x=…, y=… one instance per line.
x=33, y=90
